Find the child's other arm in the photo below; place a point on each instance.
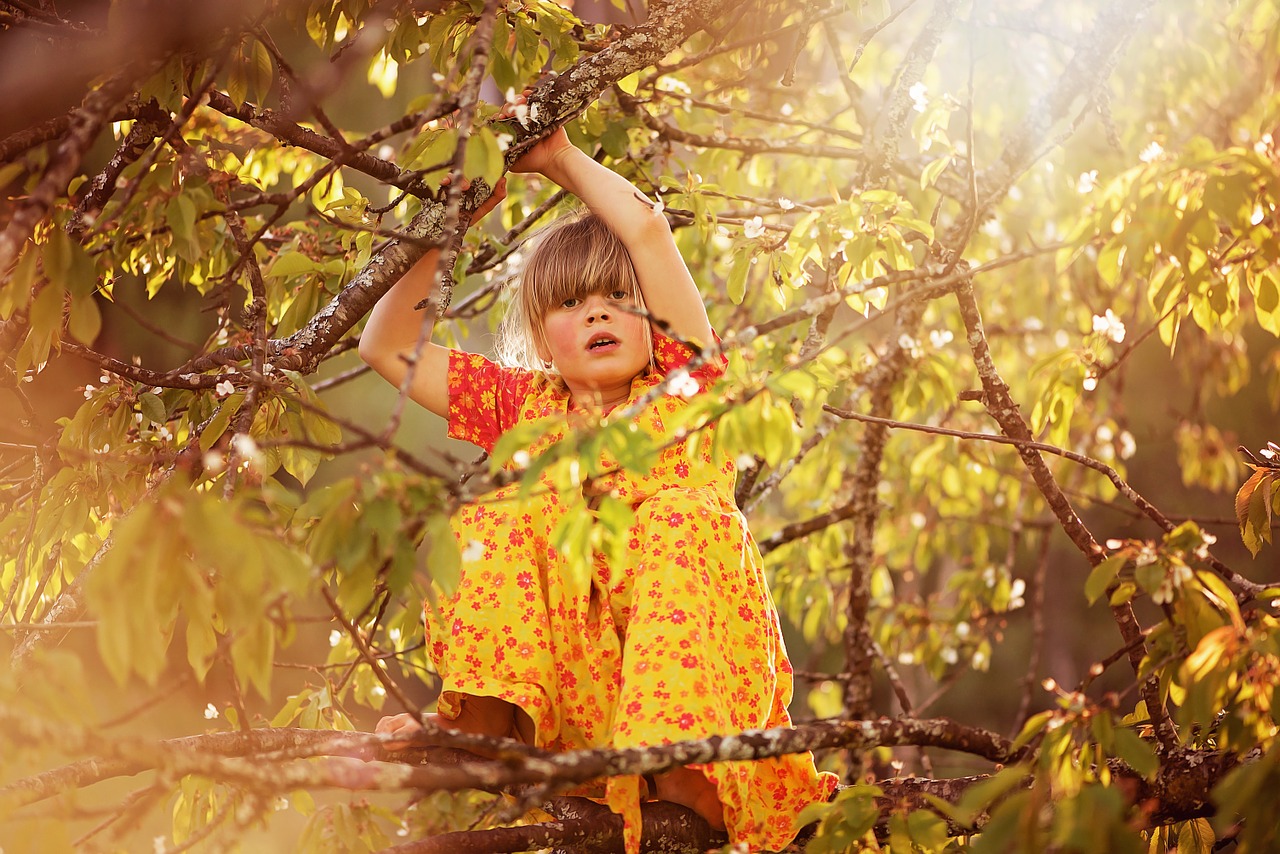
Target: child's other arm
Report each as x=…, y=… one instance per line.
x=669, y=291
x=392, y=330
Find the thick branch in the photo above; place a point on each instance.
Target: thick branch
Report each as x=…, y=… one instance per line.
x=228, y=757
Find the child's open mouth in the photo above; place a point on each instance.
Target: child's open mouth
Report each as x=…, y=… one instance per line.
x=602, y=342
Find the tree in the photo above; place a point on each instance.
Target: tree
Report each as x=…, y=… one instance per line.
x=999, y=287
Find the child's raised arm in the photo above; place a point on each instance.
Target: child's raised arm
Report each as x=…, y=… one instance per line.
x=391, y=332
x=669, y=291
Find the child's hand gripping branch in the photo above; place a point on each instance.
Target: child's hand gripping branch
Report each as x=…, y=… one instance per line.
x=669, y=292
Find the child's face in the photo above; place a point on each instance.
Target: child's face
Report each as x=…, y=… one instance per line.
x=597, y=344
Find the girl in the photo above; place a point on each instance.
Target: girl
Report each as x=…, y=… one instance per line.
x=679, y=638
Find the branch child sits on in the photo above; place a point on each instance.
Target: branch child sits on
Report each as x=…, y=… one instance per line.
x=678, y=641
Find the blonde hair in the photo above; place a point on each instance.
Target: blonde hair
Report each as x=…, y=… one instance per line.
x=574, y=257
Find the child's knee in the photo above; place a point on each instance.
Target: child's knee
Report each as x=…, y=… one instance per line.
x=674, y=509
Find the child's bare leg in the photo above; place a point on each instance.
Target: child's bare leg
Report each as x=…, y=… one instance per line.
x=478, y=716
x=692, y=789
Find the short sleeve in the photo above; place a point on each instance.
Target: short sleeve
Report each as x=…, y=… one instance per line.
x=670, y=355
x=484, y=398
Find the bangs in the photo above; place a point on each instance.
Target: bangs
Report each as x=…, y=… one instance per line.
x=578, y=258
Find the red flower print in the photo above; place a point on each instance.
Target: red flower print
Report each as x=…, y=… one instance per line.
x=690, y=661
x=525, y=580
x=686, y=721
x=744, y=611
x=682, y=469
x=678, y=617
x=676, y=520
x=634, y=707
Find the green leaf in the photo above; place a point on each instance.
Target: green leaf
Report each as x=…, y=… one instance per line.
x=15, y=292
x=444, y=560
x=1102, y=576
x=45, y=321
x=84, y=321
x=1033, y=727
x=221, y=419
x=484, y=156
x=737, y=283
x=153, y=407
x=1195, y=837
x=933, y=171
x=182, y=217
x=289, y=264
x=1136, y=753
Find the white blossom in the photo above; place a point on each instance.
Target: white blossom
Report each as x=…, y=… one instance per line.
x=1110, y=325
x=949, y=655
x=658, y=207
x=1256, y=217
x=521, y=458
x=224, y=388
x=210, y=712
x=214, y=462
x=919, y=97
x=683, y=384
x=753, y=228
x=335, y=638
x=786, y=204
x=1090, y=382
x=907, y=657
x=88, y=391
x=473, y=552
x=244, y=446
x=1128, y=447
x=1151, y=152
x=1087, y=181
x=940, y=338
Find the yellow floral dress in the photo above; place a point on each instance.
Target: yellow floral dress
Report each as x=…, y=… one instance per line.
x=678, y=640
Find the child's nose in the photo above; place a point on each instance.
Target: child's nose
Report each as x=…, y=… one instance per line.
x=596, y=310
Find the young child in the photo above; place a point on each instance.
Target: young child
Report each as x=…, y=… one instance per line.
x=680, y=639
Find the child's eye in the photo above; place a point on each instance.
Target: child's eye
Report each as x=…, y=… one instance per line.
x=619, y=295
x=571, y=302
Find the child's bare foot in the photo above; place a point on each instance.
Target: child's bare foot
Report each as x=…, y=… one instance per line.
x=479, y=716
x=692, y=789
